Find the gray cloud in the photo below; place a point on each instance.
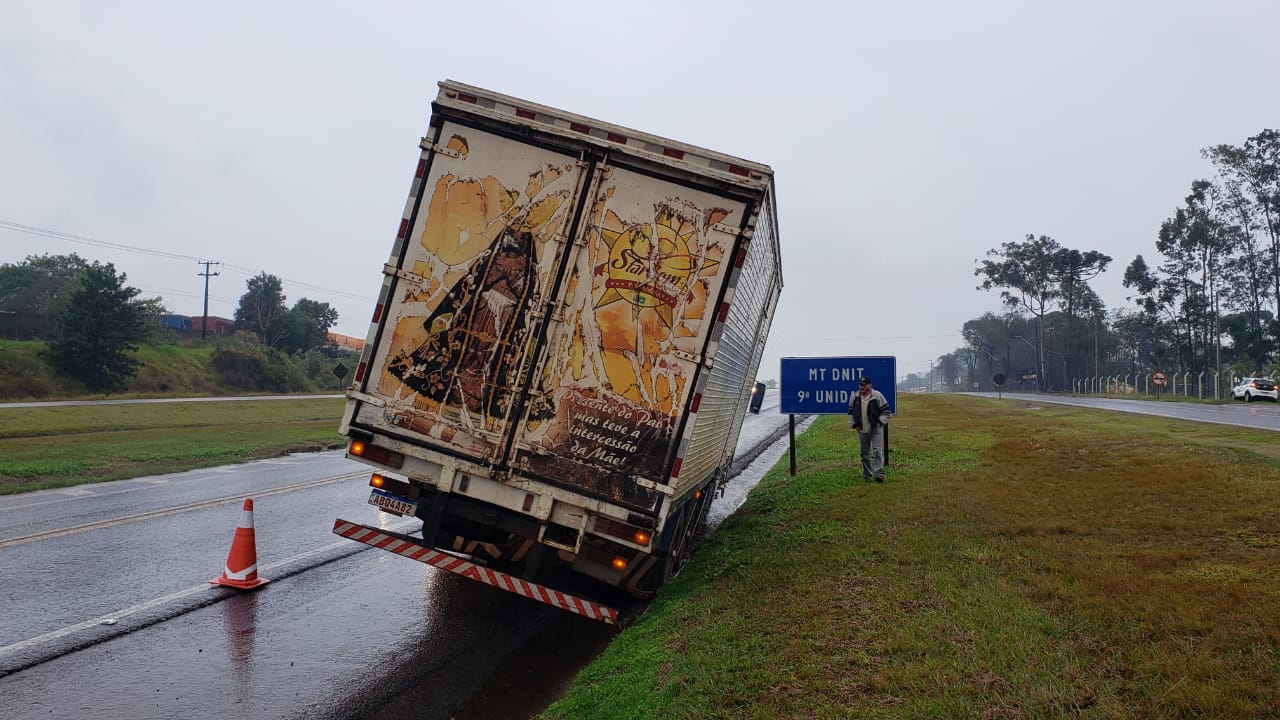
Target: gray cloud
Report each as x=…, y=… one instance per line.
x=907, y=139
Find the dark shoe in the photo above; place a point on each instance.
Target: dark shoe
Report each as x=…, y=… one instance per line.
x=880, y=479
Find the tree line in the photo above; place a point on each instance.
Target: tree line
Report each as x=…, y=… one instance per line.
x=1208, y=301
x=92, y=321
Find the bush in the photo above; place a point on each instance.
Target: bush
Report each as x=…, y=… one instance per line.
x=175, y=369
x=25, y=373
x=248, y=367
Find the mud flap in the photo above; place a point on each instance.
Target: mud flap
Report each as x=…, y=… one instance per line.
x=413, y=549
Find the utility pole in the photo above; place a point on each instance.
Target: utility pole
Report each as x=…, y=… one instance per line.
x=1096, y=322
x=204, y=326
x=930, y=376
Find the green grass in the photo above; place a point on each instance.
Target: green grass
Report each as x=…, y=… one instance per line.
x=25, y=373
x=1021, y=561
x=182, y=368
x=70, y=445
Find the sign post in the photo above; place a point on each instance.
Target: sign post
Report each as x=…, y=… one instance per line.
x=824, y=386
x=1159, y=379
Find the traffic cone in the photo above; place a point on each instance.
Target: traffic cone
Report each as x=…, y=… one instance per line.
x=241, y=570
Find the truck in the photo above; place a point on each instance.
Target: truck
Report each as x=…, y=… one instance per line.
x=562, y=353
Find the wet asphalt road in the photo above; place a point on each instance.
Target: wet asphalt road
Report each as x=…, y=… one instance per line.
x=105, y=611
x=1261, y=415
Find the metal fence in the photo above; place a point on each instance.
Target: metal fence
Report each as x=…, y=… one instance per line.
x=1204, y=385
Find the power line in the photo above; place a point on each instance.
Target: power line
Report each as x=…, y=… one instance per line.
x=286, y=281
x=45, y=232
x=58, y=235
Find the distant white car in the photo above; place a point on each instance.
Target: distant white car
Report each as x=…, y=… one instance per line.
x=1252, y=388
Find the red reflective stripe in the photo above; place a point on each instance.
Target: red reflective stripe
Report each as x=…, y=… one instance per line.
x=741, y=258
x=360, y=371
x=502, y=581
x=673, y=153
x=615, y=137
x=675, y=467
x=422, y=168
x=526, y=114
x=739, y=170
x=579, y=127
x=404, y=228
x=697, y=400
x=724, y=311
x=464, y=97
x=377, y=313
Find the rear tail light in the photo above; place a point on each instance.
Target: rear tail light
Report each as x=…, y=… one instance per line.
x=391, y=485
x=623, y=532
x=373, y=453
x=619, y=563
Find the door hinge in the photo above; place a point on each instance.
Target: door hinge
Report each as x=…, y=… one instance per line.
x=438, y=148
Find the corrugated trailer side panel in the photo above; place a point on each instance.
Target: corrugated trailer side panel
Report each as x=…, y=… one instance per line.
x=737, y=354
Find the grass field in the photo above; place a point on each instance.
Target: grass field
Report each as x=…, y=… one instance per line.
x=1021, y=561
x=69, y=445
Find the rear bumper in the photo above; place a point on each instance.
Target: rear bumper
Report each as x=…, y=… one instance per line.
x=415, y=550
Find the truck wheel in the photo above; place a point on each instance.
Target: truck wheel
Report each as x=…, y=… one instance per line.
x=692, y=517
x=538, y=563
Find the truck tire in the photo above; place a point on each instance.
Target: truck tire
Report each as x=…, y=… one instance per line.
x=693, y=516
x=539, y=562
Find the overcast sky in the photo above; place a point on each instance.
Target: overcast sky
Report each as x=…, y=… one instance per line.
x=907, y=138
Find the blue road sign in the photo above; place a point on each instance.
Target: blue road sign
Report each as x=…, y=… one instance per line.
x=823, y=386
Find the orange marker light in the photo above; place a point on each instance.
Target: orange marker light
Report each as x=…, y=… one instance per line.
x=357, y=447
x=619, y=564
x=377, y=481
x=642, y=537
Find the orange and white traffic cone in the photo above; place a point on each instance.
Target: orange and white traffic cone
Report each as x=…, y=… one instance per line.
x=241, y=570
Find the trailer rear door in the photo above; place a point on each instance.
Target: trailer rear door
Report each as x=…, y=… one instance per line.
x=640, y=299
x=477, y=267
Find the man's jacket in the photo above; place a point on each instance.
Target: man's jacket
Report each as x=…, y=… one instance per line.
x=877, y=411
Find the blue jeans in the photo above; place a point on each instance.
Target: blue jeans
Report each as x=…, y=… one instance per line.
x=872, y=446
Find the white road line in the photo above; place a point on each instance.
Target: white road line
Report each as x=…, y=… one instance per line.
x=112, y=618
x=50, y=534
x=185, y=477
x=70, y=629
x=135, y=485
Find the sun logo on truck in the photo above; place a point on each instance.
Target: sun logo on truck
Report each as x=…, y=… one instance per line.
x=651, y=267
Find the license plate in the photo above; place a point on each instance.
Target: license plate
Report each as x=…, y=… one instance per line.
x=386, y=502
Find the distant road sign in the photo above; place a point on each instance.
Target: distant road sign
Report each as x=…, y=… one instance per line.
x=823, y=386
x=1159, y=378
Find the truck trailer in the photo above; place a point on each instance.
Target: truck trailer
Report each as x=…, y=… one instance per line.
x=563, y=350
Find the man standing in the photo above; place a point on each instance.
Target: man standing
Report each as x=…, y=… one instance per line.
x=868, y=414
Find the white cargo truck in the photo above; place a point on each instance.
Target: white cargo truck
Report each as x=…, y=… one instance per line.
x=562, y=355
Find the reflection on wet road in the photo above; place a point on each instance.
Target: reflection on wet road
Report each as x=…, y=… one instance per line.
x=108, y=612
